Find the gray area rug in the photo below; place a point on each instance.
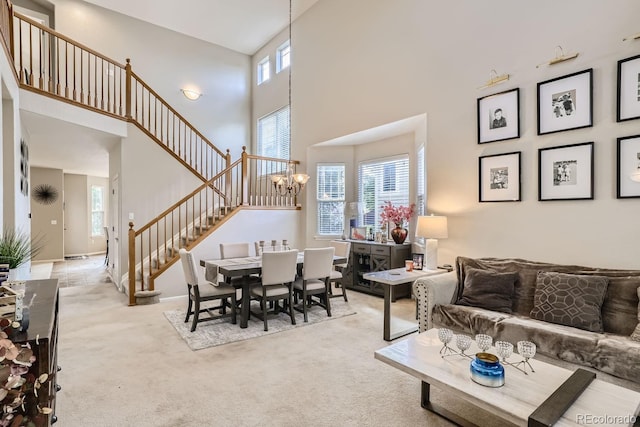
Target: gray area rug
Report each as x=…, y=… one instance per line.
x=217, y=332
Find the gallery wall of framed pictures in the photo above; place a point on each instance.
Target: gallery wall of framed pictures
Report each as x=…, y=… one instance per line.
x=565, y=171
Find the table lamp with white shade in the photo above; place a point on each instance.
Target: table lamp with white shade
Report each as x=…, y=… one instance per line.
x=432, y=227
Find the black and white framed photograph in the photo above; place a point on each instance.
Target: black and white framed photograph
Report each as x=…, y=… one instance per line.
x=499, y=116
x=628, y=167
x=566, y=103
x=499, y=177
x=628, y=89
x=566, y=172
x=418, y=261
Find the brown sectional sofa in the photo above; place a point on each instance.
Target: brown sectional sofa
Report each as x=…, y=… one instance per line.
x=611, y=350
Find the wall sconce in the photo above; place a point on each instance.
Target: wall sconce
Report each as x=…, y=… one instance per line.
x=560, y=57
x=191, y=95
x=494, y=79
x=291, y=183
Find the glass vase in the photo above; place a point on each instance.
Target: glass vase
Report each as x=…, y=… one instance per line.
x=399, y=234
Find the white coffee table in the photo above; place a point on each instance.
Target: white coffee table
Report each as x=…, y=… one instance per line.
x=389, y=279
x=518, y=398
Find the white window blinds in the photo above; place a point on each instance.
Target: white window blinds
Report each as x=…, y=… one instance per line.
x=380, y=181
x=420, y=185
x=273, y=135
x=330, y=196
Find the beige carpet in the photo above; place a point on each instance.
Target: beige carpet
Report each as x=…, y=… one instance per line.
x=221, y=331
x=126, y=366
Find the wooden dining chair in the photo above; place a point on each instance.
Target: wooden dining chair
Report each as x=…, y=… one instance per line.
x=278, y=275
x=206, y=292
x=342, y=249
x=316, y=272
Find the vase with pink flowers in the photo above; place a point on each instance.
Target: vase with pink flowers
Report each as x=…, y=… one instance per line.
x=398, y=215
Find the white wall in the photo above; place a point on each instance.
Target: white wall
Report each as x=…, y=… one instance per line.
x=272, y=94
x=169, y=61
x=151, y=180
x=359, y=64
x=15, y=205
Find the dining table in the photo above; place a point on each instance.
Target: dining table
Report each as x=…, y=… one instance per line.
x=244, y=268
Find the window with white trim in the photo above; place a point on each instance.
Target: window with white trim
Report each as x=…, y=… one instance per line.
x=283, y=56
x=420, y=184
x=379, y=181
x=264, y=70
x=330, y=197
x=273, y=137
x=97, y=210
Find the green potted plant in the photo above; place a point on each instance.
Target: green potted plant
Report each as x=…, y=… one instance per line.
x=16, y=248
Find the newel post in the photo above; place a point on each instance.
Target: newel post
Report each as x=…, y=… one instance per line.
x=127, y=102
x=245, y=179
x=132, y=265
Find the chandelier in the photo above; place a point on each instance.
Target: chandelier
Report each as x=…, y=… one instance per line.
x=291, y=183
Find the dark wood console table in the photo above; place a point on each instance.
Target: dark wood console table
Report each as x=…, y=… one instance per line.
x=367, y=257
x=42, y=335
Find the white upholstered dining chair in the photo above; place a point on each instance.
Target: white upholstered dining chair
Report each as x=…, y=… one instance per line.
x=278, y=275
x=205, y=292
x=234, y=250
x=316, y=271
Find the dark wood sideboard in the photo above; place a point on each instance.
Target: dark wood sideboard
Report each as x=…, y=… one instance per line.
x=42, y=334
x=367, y=256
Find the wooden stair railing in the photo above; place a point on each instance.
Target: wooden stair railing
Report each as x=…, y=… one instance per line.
x=51, y=64
x=246, y=183
x=160, y=121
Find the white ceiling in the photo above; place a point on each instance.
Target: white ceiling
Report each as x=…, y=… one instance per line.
x=240, y=25
x=62, y=145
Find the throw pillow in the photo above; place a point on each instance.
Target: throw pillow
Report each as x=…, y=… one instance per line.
x=636, y=334
x=570, y=299
x=488, y=289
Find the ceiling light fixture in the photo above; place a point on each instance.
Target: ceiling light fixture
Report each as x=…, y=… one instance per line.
x=560, y=57
x=191, y=95
x=494, y=79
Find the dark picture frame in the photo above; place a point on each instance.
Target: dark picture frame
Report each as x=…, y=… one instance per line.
x=566, y=172
x=418, y=261
x=566, y=103
x=628, y=162
x=499, y=116
x=628, y=91
x=499, y=177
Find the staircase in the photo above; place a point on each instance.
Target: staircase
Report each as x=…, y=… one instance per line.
x=51, y=64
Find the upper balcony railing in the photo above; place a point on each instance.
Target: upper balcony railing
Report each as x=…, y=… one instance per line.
x=52, y=64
